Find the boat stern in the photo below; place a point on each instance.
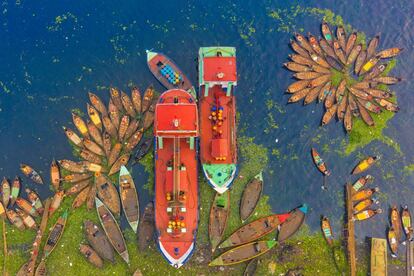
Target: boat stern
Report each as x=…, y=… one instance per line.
x=220, y=176
x=176, y=253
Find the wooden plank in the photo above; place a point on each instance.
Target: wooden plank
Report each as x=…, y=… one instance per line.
x=378, y=257
x=410, y=258
x=351, y=231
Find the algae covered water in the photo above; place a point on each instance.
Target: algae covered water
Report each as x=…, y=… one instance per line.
x=53, y=53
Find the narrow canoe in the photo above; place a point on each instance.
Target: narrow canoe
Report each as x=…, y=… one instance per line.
x=292, y=224
x=112, y=230
x=146, y=227
x=147, y=99
x=136, y=99
x=319, y=162
x=327, y=230
x=251, y=196
x=56, y=201
x=365, y=164
x=108, y=194
x=55, y=175
x=5, y=191
x=55, y=234
x=129, y=198
x=219, y=214
x=98, y=241
x=393, y=242
x=378, y=257
x=31, y=173
x=395, y=219
x=81, y=198
x=406, y=222
x=97, y=103
x=127, y=104
x=15, y=190
x=90, y=201
x=91, y=255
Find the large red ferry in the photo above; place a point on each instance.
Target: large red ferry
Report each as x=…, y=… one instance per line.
x=218, y=148
x=176, y=186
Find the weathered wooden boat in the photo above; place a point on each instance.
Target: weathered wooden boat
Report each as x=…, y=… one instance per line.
x=127, y=104
x=219, y=214
x=93, y=167
x=327, y=33
x=56, y=201
x=406, y=222
x=91, y=255
x=5, y=192
x=114, y=114
x=251, y=196
x=27, y=207
x=147, y=99
x=168, y=73
x=98, y=241
x=95, y=133
x=329, y=114
x=123, y=126
x=327, y=230
x=55, y=175
x=387, y=80
x=353, y=105
x=366, y=117
x=299, y=95
x=146, y=227
x=364, y=194
x=390, y=106
x=114, y=154
x=15, y=219
x=319, y=61
x=364, y=204
x=15, y=190
x=77, y=187
x=136, y=99
x=2, y=211
x=361, y=182
x=360, y=60
x=330, y=97
x=90, y=201
x=303, y=42
x=372, y=46
x=41, y=269
x=320, y=69
x=393, y=242
x=255, y=230
x=28, y=221
x=34, y=199
x=329, y=52
x=389, y=53
x=365, y=164
x=97, y=103
x=72, y=166
x=320, y=80
x=350, y=43
x=108, y=194
x=313, y=41
x=93, y=147
x=378, y=93
x=348, y=119
x=341, y=110
x=121, y=161
x=319, y=162
x=74, y=178
x=295, y=67
x=297, y=86
x=354, y=54
x=148, y=119
x=80, y=125
x=72, y=136
x=312, y=95
x=112, y=230
x=129, y=198
x=375, y=72
x=132, y=127
x=31, y=173
x=243, y=253
x=110, y=127
x=378, y=257
x=341, y=36
x=133, y=140
x=90, y=156
x=340, y=53
x=395, y=220
x=308, y=75
x=298, y=49
x=292, y=224
x=218, y=146
x=116, y=98
x=251, y=267
x=94, y=116
x=176, y=185
x=81, y=198
x=367, y=214
x=359, y=93
x=55, y=234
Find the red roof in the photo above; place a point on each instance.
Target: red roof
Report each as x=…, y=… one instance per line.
x=214, y=66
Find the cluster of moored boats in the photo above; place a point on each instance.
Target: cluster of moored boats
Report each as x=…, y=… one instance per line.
x=400, y=222
x=316, y=62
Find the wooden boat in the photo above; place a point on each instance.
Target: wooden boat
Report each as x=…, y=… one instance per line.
x=370, y=106
x=319, y=61
x=93, y=167
x=390, y=106
x=329, y=114
x=94, y=116
x=341, y=36
x=110, y=127
x=41, y=269
x=299, y=95
x=98, y=241
x=251, y=267
x=123, y=126
x=327, y=33
x=127, y=104
x=361, y=182
x=15, y=190
x=5, y=191
x=378, y=93
x=55, y=234
x=308, y=75
x=116, y=98
x=378, y=257
x=27, y=207
x=134, y=140
x=15, y=219
x=2, y=211
x=320, y=164
x=298, y=86
x=395, y=219
x=77, y=187
x=387, y=80
x=35, y=201
x=320, y=69
x=369, y=64
x=354, y=54
x=366, y=117
x=72, y=166
x=121, y=161
x=329, y=52
x=393, y=242
x=348, y=119
x=292, y=224
x=148, y=98
x=340, y=53
x=219, y=214
x=91, y=255
x=55, y=175
x=365, y=164
x=80, y=125
x=81, y=198
x=112, y=230
x=341, y=110
x=366, y=214
x=303, y=42
x=313, y=41
x=28, y=221
x=406, y=222
x=31, y=173
x=129, y=198
x=132, y=128
x=90, y=156
x=168, y=73
x=353, y=105
x=146, y=227
x=320, y=80
x=107, y=193
x=359, y=93
x=327, y=231
x=176, y=185
x=255, y=230
x=295, y=67
x=93, y=147
x=324, y=92
x=298, y=49
x=364, y=204
x=251, y=196
x=372, y=46
x=114, y=154
x=136, y=99
x=148, y=119
x=243, y=253
x=389, y=53
x=375, y=72
x=90, y=201
x=95, y=133
x=364, y=194
x=97, y=103
x=360, y=60
x=74, y=178
x=350, y=43
x=72, y=136
x=114, y=114
x=218, y=147
x=56, y=201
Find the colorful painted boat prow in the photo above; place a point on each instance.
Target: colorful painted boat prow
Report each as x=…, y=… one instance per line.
x=218, y=149
x=168, y=73
x=176, y=184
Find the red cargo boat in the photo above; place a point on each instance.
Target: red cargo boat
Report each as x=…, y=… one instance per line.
x=176, y=186
x=218, y=149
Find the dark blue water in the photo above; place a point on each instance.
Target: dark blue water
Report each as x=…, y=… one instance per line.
x=52, y=53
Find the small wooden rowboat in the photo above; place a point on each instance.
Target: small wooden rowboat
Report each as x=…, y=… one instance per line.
x=146, y=227
x=136, y=99
x=129, y=198
x=97, y=103
x=5, y=191
x=34, y=199
x=56, y=201
x=219, y=214
x=147, y=99
x=396, y=222
x=108, y=194
x=327, y=230
x=31, y=173
x=15, y=190
x=55, y=175
x=27, y=207
x=94, y=116
x=15, y=219
x=74, y=178
x=243, y=253
x=365, y=164
x=72, y=136
x=255, y=230
x=28, y=221
x=98, y=240
x=121, y=161
x=127, y=104
x=407, y=223
x=112, y=230
x=366, y=214
x=80, y=199
x=251, y=196
x=77, y=187
x=91, y=255
x=320, y=164
x=361, y=182
x=55, y=234
x=292, y=224
x=393, y=242
x=364, y=204
x=149, y=115
x=364, y=194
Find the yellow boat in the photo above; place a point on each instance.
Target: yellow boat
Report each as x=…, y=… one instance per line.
x=378, y=257
x=365, y=164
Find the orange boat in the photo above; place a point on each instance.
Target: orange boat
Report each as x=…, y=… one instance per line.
x=218, y=149
x=176, y=186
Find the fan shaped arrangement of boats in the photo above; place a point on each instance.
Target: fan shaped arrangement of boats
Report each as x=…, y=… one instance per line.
x=348, y=76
